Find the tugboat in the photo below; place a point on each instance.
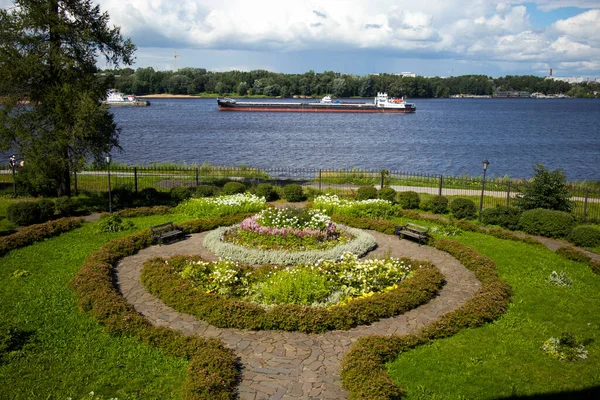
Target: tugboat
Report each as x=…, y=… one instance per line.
x=381, y=104
x=114, y=98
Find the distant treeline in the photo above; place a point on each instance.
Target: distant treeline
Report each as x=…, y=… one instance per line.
x=194, y=81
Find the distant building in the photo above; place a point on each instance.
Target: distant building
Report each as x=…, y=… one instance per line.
x=407, y=74
x=511, y=94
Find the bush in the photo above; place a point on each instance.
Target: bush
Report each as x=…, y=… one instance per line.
x=546, y=190
x=438, y=204
x=409, y=200
x=23, y=213
x=506, y=217
x=366, y=193
x=549, y=223
x=585, y=236
x=293, y=193
x=267, y=191
x=463, y=208
x=148, y=196
x=122, y=197
x=234, y=188
x=47, y=209
x=66, y=206
x=205, y=191
x=113, y=223
x=387, y=193
x=180, y=193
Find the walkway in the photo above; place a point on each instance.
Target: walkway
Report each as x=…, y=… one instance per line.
x=290, y=365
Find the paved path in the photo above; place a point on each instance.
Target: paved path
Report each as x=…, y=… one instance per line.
x=290, y=365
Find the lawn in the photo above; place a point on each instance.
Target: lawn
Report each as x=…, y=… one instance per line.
x=504, y=358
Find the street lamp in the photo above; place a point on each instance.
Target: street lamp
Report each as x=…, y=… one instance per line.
x=485, y=167
x=12, y=163
x=108, y=159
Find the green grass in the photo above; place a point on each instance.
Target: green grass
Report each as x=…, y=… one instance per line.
x=66, y=353
x=505, y=358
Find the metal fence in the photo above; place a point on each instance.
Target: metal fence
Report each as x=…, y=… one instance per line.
x=496, y=191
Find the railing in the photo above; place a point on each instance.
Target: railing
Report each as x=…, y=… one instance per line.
x=496, y=191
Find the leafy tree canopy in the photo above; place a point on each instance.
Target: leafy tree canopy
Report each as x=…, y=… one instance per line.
x=51, y=93
x=546, y=190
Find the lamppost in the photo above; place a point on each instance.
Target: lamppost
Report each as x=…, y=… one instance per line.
x=12, y=163
x=108, y=159
x=485, y=167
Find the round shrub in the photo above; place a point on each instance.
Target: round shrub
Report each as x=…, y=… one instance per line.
x=180, y=193
x=463, y=208
x=66, y=206
x=409, y=200
x=549, y=223
x=366, y=193
x=506, y=217
x=205, y=191
x=267, y=191
x=113, y=223
x=293, y=193
x=387, y=193
x=438, y=204
x=23, y=213
x=47, y=209
x=585, y=236
x=148, y=196
x=234, y=188
x=122, y=197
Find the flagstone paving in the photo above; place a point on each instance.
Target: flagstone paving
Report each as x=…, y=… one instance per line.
x=291, y=365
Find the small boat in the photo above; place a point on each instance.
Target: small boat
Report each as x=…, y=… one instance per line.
x=381, y=104
x=114, y=98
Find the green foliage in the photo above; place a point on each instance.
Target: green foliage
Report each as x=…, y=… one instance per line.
x=113, y=223
x=438, y=204
x=571, y=253
x=387, y=193
x=293, y=193
x=147, y=196
x=123, y=196
x=47, y=209
x=205, y=191
x=233, y=188
x=585, y=236
x=180, y=193
x=549, y=223
x=66, y=206
x=463, y=208
x=565, y=348
x=267, y=191
x=545, y=190
x=23, y=213
x=366, y=193
x=220, y=206
x=506, y=217
x=409, y=200
x=301, y=288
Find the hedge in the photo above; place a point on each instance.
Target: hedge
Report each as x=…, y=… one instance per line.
x=224, y=312
x=213, y=370
x=364, y=374
x=33, y=233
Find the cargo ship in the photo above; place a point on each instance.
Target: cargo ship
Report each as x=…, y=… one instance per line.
x=381, y=104
x=114, y=98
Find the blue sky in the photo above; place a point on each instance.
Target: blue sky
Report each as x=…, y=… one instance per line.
x=427, y=37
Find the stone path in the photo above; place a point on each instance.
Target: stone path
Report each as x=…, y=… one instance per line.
x=290, y=365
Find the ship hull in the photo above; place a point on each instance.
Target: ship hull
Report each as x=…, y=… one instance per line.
x=314, y=107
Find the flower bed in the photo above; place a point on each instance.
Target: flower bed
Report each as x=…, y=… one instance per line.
x=163, y=278
x=221, y=206
x=372, y=208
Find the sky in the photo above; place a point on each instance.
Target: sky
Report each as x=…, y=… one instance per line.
x=426, y=37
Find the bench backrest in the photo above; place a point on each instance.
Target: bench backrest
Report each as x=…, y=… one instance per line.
x=167, y=226
x=418, y=228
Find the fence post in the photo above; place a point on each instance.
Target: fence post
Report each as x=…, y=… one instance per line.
x=135, y=182
x=508, y=195
x=587, y=192
x=197, y=181
x=441, y=184
x=319, y=180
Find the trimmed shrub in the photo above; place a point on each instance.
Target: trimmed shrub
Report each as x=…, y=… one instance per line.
x=387, y=193
x=506, y=217
x=293, y=193
x=463, y=208
x=366, y=193
x=23, y=213
x=438, y=204
x=143, y=211
x=47, y=209
x=234, y=188
x=548, y=223
x=409, y=200
x=122, y=197
x=66, y=206
x=148, y=196
x=113, y=223
x=585, y=236
x=180, y=193
x=571, y=253
x=267, y=191
x=205, y=191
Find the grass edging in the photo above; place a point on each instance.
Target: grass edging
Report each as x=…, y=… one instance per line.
x=223, y=312
x=33, y=233
x=212, y=372
x=364, y=374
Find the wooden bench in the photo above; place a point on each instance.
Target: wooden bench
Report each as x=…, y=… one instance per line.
x=166, y=231
x=415, y=231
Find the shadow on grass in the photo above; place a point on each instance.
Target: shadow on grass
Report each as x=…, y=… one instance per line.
x=589, y=393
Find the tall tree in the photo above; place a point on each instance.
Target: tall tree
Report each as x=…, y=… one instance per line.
x=52, y=112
